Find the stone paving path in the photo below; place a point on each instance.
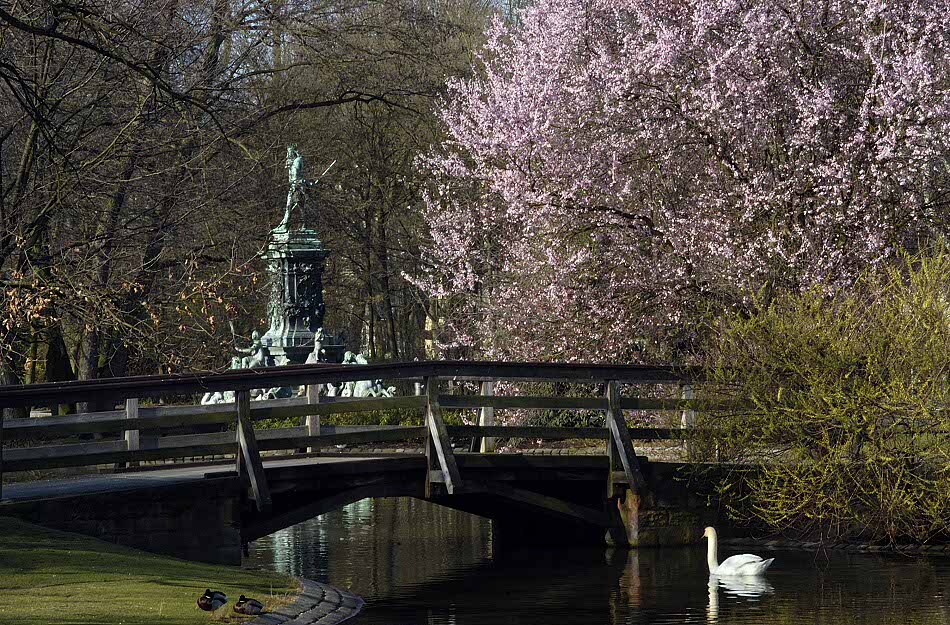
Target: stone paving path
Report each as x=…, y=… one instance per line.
x=318, y=604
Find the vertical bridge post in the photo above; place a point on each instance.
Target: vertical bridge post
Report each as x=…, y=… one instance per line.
x=248, y=456
x=132, y=436
x=440, y=460
x=688, y=418
x=313, y=420
x=486, y=416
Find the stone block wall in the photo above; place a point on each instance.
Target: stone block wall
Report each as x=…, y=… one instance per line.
x=679, y=503
x=200, y=521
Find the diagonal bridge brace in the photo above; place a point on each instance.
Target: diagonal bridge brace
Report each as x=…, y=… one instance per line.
x=438, y=446
x=620, y=445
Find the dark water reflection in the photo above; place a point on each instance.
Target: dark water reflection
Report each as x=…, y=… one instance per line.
x=416, y=563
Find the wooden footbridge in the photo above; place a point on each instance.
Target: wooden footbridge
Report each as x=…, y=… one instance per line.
x=274, y=477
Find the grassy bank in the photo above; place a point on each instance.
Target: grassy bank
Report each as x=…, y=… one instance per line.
x=56, y=577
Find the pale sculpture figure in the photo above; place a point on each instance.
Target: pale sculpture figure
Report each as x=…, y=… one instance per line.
x=219, y=397
x=318, y=354
x=256, y=352
x=362, y=388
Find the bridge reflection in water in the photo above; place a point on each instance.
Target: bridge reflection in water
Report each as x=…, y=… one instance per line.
x=417, y=563
x=378, y=545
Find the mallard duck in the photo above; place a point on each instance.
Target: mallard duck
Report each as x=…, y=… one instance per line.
x=212, y=600
x=245, y=605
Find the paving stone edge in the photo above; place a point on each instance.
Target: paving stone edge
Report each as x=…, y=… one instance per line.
x=317, y=604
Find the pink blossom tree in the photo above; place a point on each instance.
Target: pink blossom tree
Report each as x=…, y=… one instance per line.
x=618, y=166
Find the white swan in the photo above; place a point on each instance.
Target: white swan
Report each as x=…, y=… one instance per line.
x=744, y=564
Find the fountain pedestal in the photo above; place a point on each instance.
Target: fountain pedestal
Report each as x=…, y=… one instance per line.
x=296, y=259
x=295, y=262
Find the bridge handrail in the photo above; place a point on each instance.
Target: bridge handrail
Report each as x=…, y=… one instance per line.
x=223, y=443
x=115, y=389
x=157, y=417
x=246, y=445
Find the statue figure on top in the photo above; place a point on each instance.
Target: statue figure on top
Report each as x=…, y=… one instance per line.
x=296, y=194
x=295, y=210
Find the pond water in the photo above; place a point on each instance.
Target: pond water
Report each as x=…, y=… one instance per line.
x=419, y=564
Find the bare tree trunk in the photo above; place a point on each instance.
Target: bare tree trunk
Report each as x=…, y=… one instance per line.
x=431, y=327
x=8, y=375
x=369, y=327
x=27, y=162
x=369, y=309
x=27, y=158
x=31, y=360
x=93, y=338
x=383, y=255
x=58, y=368
x=88, y=365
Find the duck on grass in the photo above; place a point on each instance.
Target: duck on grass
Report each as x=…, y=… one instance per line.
x=54, y=578
x=214, y=600
x=246, y=605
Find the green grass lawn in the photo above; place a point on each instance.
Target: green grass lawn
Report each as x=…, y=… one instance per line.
x=56, y=577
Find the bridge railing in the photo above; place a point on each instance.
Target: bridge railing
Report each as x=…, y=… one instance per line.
x=141, y=433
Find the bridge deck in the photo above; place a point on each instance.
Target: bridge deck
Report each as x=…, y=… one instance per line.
x=548, y=467
x=92, y=484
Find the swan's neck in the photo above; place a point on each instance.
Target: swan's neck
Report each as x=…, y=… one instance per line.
x=712, y=558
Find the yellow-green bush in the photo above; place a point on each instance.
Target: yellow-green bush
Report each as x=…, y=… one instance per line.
x=842, y=396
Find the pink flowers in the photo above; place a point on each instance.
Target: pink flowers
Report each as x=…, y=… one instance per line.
x=617, y=164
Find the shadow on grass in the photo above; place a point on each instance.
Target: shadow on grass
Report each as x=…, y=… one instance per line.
x=52, y=577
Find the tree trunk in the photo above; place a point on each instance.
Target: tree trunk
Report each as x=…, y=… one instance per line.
x=31, y=361
x=369, y=328
x=431, y=326
x=92, y=339
x=369, y=309
x=88, y=365
x=8, y=375
x=383, y=256
x=58, y=368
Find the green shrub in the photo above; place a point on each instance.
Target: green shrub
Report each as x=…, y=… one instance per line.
x=842, y=397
